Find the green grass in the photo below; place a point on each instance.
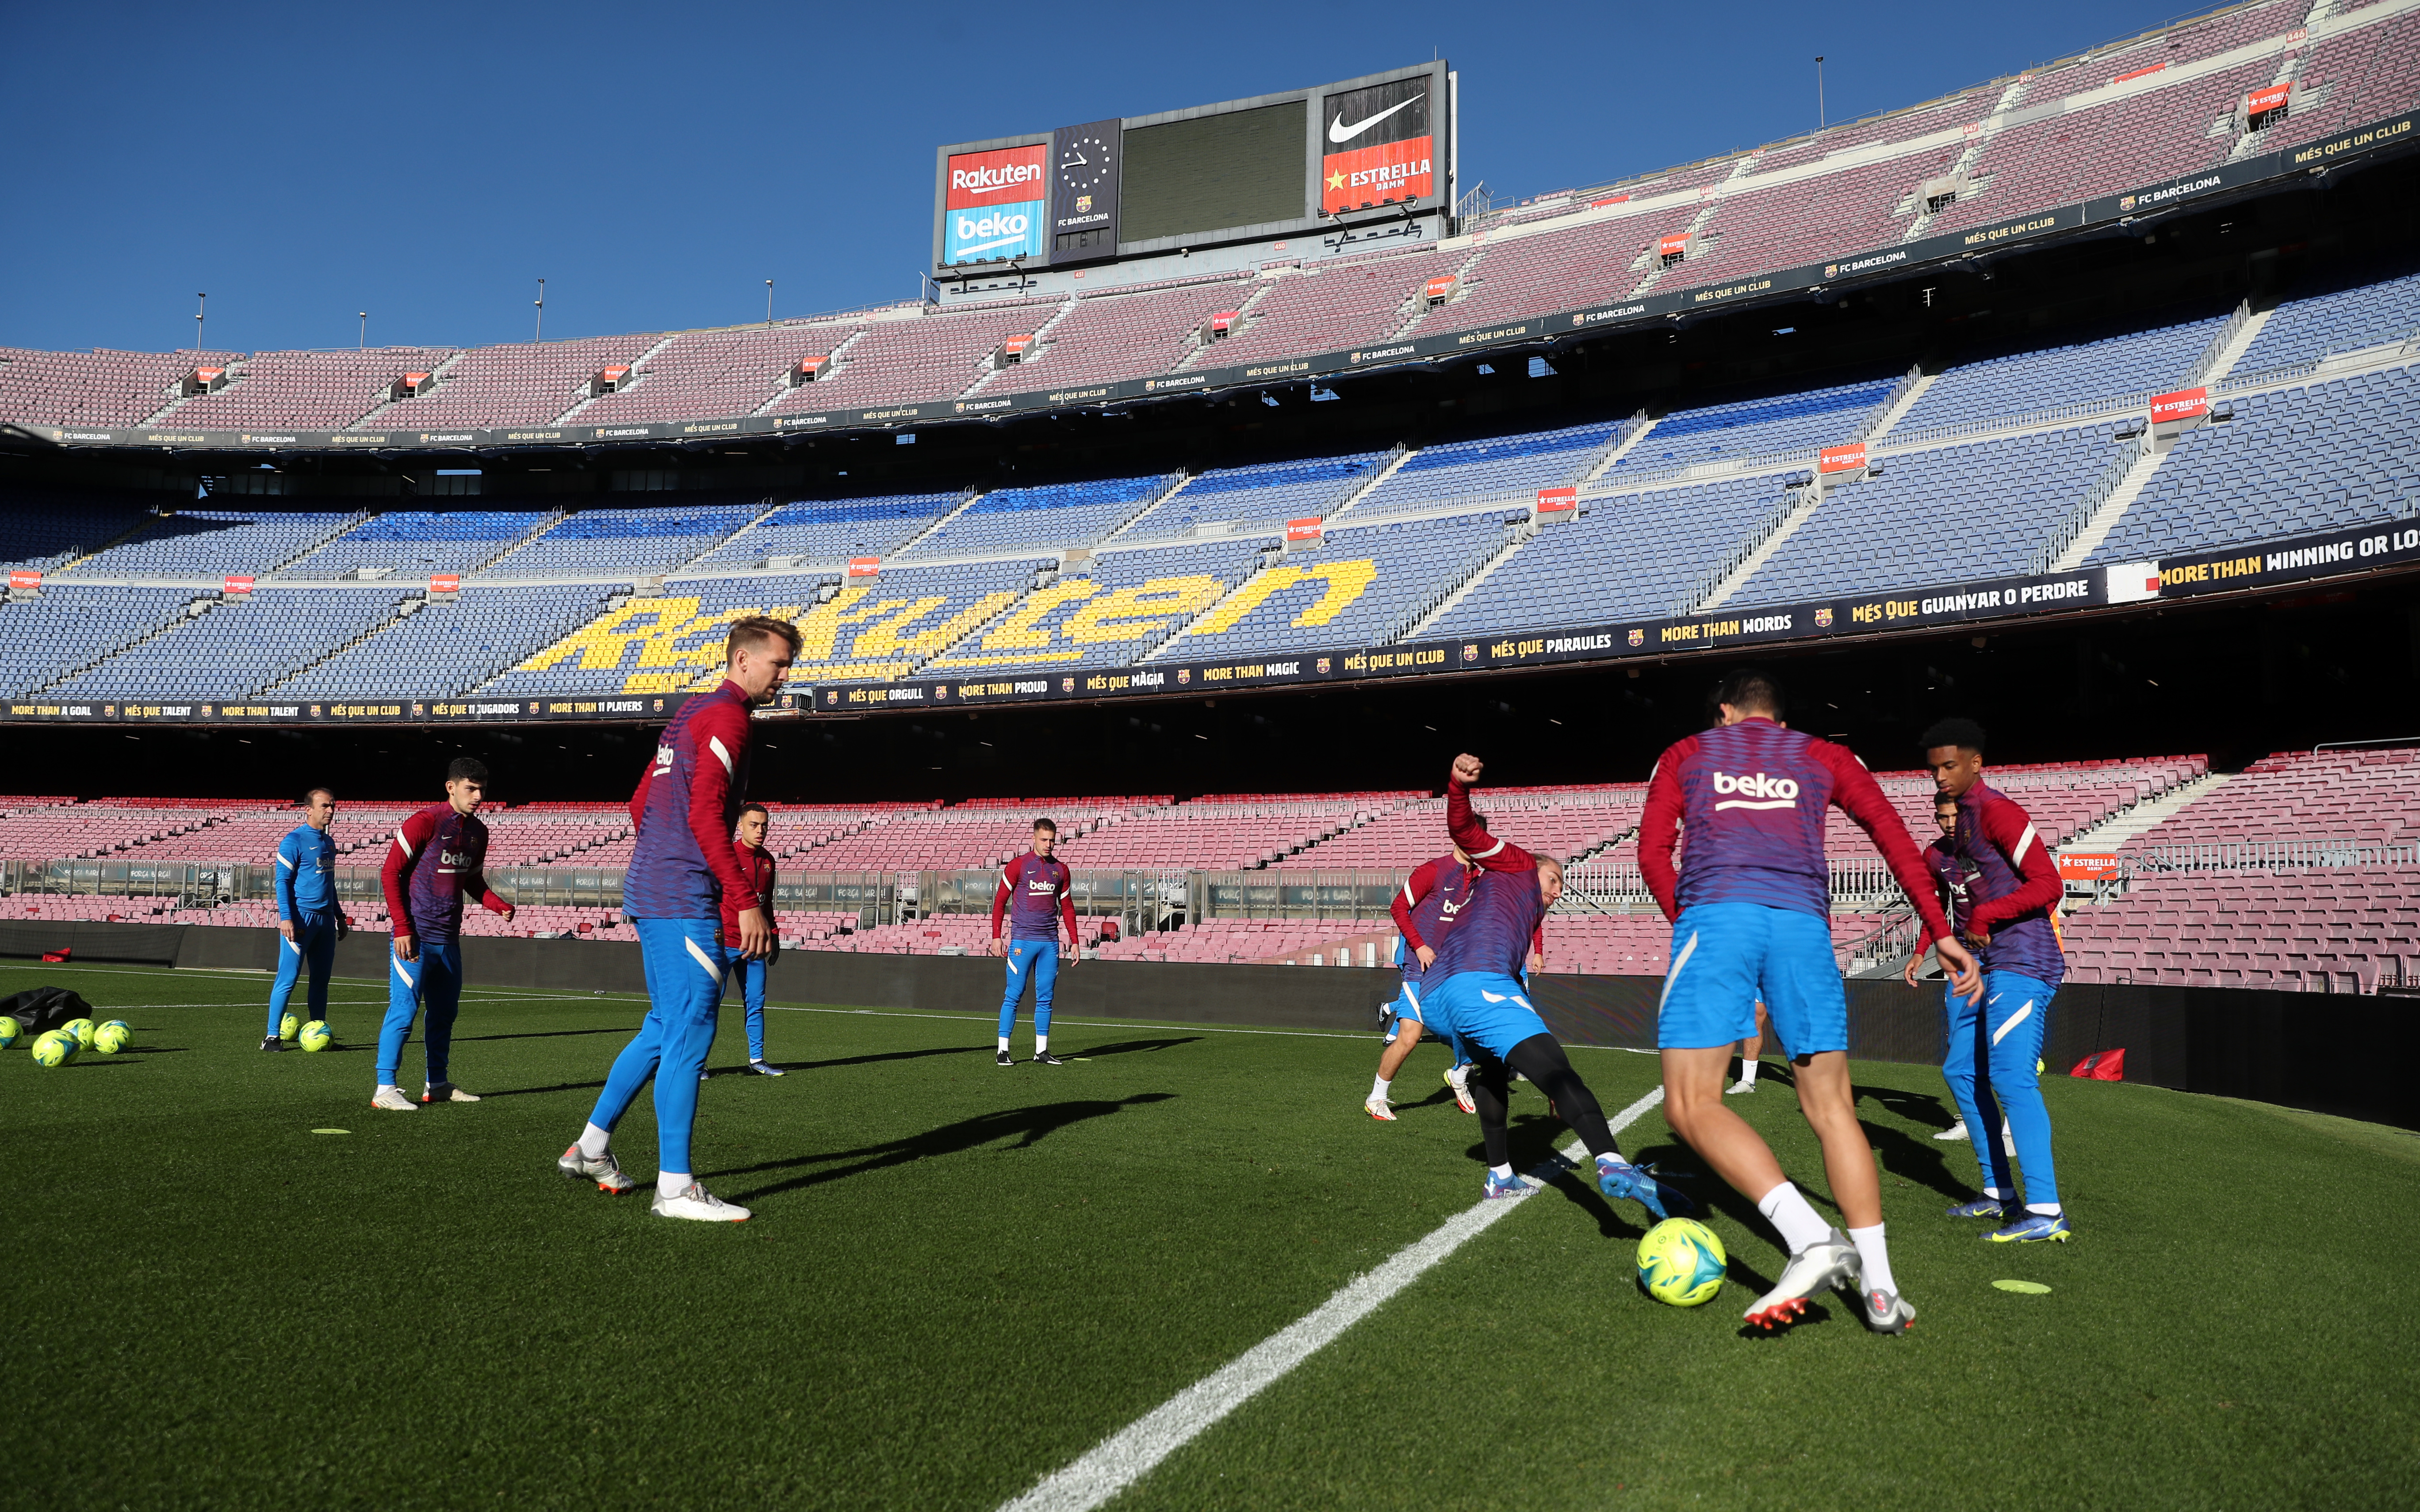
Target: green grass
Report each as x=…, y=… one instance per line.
x=961, y=1279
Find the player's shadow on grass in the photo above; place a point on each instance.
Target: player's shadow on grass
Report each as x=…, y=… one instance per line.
x=888, y=1055
x=1129, y=1047
x=1924, y=1162
x=540, y=1034
x=1026, y=1126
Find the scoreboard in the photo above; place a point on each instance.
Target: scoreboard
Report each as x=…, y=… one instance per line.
x=1271, y=166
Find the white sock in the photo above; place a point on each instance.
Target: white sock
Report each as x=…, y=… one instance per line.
x=1875, y=1255
x=593, y=1141
x=1041, y=1044
x=671, y=1183
x=1995, y=1194
x=1502, y=1173
x=1747, y=1072
x=2048, y=1210
x=1378, y=1088
x=1789, y=1213
x=1003, y=1044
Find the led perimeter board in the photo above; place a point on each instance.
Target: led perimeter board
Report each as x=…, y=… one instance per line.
x=1272, y=166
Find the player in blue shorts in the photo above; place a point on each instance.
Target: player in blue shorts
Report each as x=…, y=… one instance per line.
x=1750, y=905
x=1424, y=910
x=1036, y=893
x=2003, y=885
x=309, y=922
x=1475, y=993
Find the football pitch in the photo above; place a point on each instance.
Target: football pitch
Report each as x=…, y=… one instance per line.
x=961, y=1279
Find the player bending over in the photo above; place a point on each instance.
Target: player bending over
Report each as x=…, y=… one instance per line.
x=433, y=863
x=2004, y=885
x=757, y=862
x=309, y=922
x=1475, y=994
x=1750, y=907
x=681, y=869
x=1423, y=911
x=1036, y=892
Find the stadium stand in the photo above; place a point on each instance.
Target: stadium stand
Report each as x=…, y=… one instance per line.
x=898, y=359
x=626, y=540
x=1753, y=427
x=1495, y=465
x=1048, y=517
x=416, y=542
x=237, y=648
x=818, y=531
x=46, y=529
x=440, y=649
x=1115, y=334
x=2337, y=929
x=1111, y=611
x=534, y=384
x=2354, y=797
x=203, y=544
x=2289, y=461
x=1340, y=304
x=1263, y=496
x=641, y=646
x=312, y=391
x=2146, y=359
x=68, y=629
x=96, y=388
x=2371, y=304
x=710, y=374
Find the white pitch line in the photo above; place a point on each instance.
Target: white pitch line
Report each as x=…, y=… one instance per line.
x=1124, y=1457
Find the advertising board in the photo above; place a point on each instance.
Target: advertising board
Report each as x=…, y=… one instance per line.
x=996, y=204
x=1377, y=148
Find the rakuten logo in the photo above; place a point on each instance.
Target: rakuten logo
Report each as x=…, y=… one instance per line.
x=1757, y=791
x=993, y=179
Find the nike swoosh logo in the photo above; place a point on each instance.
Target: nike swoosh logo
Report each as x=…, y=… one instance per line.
x=1338, y=132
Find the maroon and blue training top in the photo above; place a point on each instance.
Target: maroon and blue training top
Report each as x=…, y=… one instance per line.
x=1506, y=911
x=686, y=805
x=1753, y=795
x=757, y=862
x=434, y=861
x=1432, y=898
x=1036, y=892
x=2011, y=883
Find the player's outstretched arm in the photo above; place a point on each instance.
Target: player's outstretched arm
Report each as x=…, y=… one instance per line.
x=1659, y=830
x=1861, y=798
x=2007, y=828
x=1462, y=822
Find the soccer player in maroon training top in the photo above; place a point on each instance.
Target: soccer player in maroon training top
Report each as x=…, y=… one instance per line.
x=681, y=869
x=1423, y=911
x=1750, y=905
x=435, y=860
x=2010, y=886
x=1036, y=891
x=754, y=859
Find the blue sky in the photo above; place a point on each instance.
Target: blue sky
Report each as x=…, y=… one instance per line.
x=656, y=164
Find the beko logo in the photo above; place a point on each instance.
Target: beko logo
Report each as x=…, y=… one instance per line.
x=1001, y=230
x=992, y=181
x=1757, y=791
x=1339, y=132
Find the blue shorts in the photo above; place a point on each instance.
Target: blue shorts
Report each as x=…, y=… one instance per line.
x=1481, y=1009
x=1725, y=957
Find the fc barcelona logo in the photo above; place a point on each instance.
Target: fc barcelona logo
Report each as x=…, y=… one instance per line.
x=1183, y=675
x=830, y=696
x=1066, y=685
x=939, y=693
x=1822, y=619
x=1470, y=653
x=1323, y=665
x=1637, y=638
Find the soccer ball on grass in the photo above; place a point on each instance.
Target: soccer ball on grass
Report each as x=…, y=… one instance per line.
x=56, y=1048
x=111, y=1037
x=9, y=1029
x=288, y=1026
x=315, y=1035
x=1682, y=1262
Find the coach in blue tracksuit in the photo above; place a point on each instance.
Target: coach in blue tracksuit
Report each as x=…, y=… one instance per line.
x=308, y=921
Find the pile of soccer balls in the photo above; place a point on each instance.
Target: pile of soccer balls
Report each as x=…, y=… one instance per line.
x=64, y=1043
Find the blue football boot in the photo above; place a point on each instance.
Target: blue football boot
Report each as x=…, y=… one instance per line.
x=1617, y=1178
x=1985, y=1207
x=2032, y=1229
x=1510, y=1186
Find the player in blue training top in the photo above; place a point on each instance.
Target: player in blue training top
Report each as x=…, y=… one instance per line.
x=2006, y=885
x=1474, y=993
x=1037, y=893
x=1750, y=905
x=309, y=923
x=681, y=869
x=1423, y=911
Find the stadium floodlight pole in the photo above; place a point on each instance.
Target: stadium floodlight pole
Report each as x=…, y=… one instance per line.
x=364, y=343
x=1819, y=121
x=539, y=334
x=200, y=310
x=769, y=302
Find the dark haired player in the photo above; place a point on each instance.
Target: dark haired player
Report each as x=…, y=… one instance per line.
x=435, y=860
x=755, y=860
x=1750, y=905
x=681, y=869
x=1423, y=911
x=2010, y=884
x=309, y=922
x=1475, y=993
x=1036, y=892
x=1950, y=875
